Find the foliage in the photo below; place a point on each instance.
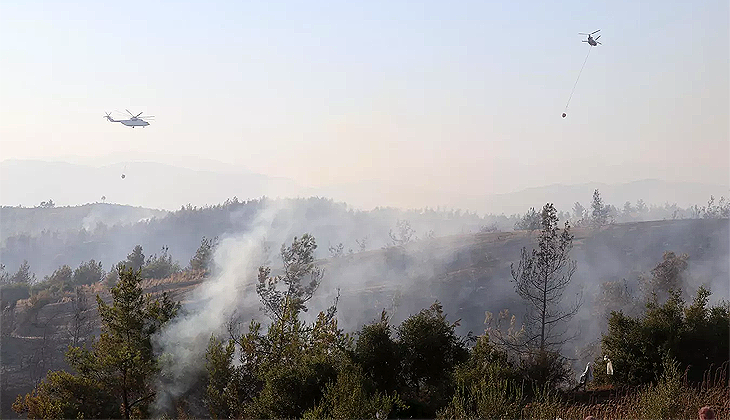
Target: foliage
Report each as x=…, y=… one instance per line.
x=430, y=349
x=118, y=369
x=544, y=368
x=546, y=403
x=12, y=292
x=661, y=400
x=484, y=399
x=297, y=369
x=203, y=258
x=112, y=277
x=66, y=396
x=39, y=300
x=280, y=374
x=337, y=251
x=530, y=221
x=64, y=275
x=504, y=333
x=64, y=279
x=578, y=211
x=88, y=273
x=136, y=259
x=219, y=365
x=716, y=211
x=541, y=279
x=696, y=336
x=404, y=233
x=160, y=267
x=379, y=355
x=613, y=296
x=284, y=372
x=362, y=244
x=667, y=276
x=348, y=398
x=4, y=276
x=486, y=386
x=489, y=228
x=298, y=260
x=670, y=398
x=28, y=233
x=600, y=211
x=81, y=325
x=23, y=275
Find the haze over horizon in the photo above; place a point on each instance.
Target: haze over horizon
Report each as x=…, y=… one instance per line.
x=463, y=99
x=156, y=185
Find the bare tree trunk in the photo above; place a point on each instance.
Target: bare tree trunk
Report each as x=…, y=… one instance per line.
x=542, y=315
x=125, y=397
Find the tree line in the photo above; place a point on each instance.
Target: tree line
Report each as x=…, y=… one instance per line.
x=601, y=214
x=420, y=368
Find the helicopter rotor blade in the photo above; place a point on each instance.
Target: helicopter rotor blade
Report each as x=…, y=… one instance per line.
x=598, y=37
x=595, y=32
x=581, y=33
x=137, y=116
x=598, y=43
x=129, y=112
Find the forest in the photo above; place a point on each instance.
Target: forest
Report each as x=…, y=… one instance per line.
x=48, y=237
x=137, y=350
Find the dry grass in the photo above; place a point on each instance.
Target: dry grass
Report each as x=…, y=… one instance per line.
x=671, y=398
x=182, y=277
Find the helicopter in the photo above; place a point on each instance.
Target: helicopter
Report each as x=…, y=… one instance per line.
x=135, y=121
x=592, y=42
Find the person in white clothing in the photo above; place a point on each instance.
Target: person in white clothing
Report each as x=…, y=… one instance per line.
x=586, y=377
x=609, y=365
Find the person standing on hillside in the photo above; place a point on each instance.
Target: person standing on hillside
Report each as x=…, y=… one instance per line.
x=586, y=377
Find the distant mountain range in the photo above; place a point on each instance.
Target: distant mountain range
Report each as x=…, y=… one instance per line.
x=146, y=184
x=163, y=186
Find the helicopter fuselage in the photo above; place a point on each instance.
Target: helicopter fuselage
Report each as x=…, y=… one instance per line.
x=135, y=122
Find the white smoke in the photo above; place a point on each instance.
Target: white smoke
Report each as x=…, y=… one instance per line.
x=182, y=344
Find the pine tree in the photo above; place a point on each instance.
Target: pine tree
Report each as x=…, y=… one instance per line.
x=541, y=279
x=600, y=211
x=118, y=368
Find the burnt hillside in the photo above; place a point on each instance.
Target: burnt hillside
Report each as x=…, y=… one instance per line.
x=468, y=273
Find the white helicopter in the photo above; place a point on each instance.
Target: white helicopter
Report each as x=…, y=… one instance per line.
x=135, y=121
x=592, y=42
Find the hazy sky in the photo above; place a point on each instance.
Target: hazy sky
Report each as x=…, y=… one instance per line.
x=458, y=95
